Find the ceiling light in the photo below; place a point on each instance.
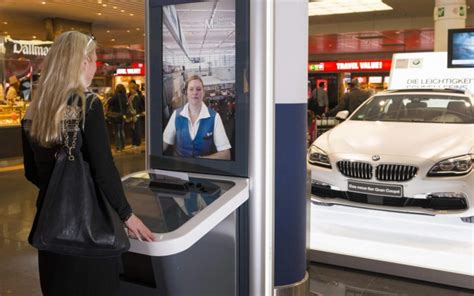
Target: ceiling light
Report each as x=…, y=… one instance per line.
x=108, y=31
x=6, y=33
x=104, y=5
x=128, y=31
x=99, y=1
x=5, y=23
x=327, y=7
x=122, y=10
x=115, y=7
x=131, y=14
x=143, y=34
x=43, y=2
x=99, y=13
x=34, y=37
x=113, y=39
x=138, y=29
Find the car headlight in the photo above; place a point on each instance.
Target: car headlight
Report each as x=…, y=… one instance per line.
x=456, y=166
x=318, y=157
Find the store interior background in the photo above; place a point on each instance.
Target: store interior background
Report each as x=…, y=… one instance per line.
x=118, y=27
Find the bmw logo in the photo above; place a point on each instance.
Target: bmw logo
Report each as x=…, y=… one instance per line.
x=376, y=157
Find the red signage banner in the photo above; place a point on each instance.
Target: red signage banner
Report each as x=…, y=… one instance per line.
x=350, y=66
x=136, y=69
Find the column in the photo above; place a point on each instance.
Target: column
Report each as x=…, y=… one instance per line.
x=290, y=68
x=448, y=14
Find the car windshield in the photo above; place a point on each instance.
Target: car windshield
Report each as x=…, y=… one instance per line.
x=417, y=108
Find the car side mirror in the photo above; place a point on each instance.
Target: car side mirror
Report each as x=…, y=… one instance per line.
x=342, y=115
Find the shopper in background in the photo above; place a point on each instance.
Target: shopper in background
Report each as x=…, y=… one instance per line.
x=133, y=85
x=320, y=97
x=116, y=115
x=12, y=91
x=136, y=105
x=351, y=100
x=67, y=72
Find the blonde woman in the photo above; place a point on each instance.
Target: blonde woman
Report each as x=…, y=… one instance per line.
x=68, y=70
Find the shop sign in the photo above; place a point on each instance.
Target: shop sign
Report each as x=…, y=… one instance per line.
x=22, y=48
x=351, y=66
x=129, y=71
x=428, y=70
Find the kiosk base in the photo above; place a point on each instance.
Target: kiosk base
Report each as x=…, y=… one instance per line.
x=188, y=272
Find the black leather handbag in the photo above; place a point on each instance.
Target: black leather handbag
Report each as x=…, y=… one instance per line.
x=76, y=218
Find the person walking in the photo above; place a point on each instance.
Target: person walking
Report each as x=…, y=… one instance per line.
x=116, y=113
x=67, y=72
x=351, y=100
x=320, y=97
x=138, y=103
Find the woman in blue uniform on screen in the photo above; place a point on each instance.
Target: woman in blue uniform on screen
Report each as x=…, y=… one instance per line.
x=194, y=129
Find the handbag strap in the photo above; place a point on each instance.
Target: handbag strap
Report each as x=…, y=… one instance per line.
x=71, y=127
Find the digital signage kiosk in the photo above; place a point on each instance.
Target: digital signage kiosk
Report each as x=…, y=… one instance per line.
x=194, y=193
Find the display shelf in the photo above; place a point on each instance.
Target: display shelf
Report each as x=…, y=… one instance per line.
x=430, y=243
x=12, y=115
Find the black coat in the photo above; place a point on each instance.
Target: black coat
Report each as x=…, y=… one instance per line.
x=118, y=104
x=350, y=101
x=39, y=161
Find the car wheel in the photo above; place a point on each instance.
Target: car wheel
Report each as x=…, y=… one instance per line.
x=468, y=219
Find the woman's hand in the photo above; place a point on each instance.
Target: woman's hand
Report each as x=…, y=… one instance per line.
x=138, y=230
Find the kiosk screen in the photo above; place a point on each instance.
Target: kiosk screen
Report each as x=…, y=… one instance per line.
x=199, y=80
x=198, y=52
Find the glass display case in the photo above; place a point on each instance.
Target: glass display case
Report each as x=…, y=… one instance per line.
x=11, y=115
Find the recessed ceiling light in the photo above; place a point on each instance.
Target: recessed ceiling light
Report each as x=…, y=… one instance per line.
x=122, y=10
x=328, y=7
x=5, y=23
x=138, y=29
x=115, y=7
x=143, y=34
x=131, y=14
x=104, y=5
x=128, y=31
x=6, y=33
x=72, y=28
x=113, y=39
x=108, y=31
x=99, y=1
x=44, y=2
x=34, y=37
x=99, y=13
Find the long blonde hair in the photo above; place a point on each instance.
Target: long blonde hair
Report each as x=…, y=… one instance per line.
x=60, y=79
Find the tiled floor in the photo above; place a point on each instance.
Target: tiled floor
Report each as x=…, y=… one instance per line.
x=18, y=266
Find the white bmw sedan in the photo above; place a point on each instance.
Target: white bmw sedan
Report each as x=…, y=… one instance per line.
x=408, y=151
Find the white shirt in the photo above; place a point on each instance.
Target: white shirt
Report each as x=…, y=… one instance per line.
x=220, y=138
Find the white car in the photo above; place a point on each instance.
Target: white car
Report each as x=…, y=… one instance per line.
x=408, y=151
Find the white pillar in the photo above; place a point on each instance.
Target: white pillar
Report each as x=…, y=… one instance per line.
x=448, y=14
